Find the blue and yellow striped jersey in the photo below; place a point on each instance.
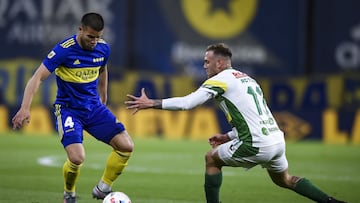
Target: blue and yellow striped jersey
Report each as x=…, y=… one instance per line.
x=77, y=72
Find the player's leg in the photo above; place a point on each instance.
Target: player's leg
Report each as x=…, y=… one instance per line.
x=104, y=126
x=71, y=168
x=213, y=176
x=301, y=186
x=232, y=154
x=278, y=171
x=117, y=161
x=70, y=131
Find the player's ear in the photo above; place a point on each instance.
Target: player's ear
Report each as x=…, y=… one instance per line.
x=80, y=28
x=218, y=62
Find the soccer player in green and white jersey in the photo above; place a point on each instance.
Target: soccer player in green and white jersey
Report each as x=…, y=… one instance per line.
x=255, y=138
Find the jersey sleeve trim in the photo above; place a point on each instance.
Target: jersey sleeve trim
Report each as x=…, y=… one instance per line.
x=217, y=86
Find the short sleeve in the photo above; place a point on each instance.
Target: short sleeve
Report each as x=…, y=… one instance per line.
x=55, y=58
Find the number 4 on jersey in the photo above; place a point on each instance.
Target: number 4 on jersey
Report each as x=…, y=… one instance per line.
x=69, y=122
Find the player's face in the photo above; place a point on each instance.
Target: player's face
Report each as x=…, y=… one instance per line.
x=211, y=64
x=88, y=37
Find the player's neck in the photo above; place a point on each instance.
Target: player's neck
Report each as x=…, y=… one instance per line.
x=77, y=38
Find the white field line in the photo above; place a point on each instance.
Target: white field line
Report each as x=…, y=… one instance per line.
x=58, y=161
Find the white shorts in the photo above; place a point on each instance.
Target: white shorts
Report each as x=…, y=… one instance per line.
x=271, y=157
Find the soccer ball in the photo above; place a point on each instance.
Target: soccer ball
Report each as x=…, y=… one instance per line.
x=117, y=197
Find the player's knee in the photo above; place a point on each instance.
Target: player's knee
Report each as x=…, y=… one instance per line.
x=208, y=156
x=129, y=147
x=75, y=153
x=122, y=143
x=124, y=147
x=77, y=159
x=209, y=159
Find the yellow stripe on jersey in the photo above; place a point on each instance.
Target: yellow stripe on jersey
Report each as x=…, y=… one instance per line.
x=78, y=75
x=68, y=43
x=226, y=111
x=215, y=83
x=228, y=117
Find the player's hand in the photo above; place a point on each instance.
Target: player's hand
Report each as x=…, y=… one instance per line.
x=21, y=117
x=218, y=139
x=138, y=103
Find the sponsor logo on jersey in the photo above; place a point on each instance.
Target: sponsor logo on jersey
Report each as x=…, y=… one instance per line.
x=87, y=74
x=264, y=131
x=95, y=60
x=78, y=75
x=239, y=74
x=76, y=62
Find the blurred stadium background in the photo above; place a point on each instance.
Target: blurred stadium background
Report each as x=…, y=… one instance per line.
x=305, y=55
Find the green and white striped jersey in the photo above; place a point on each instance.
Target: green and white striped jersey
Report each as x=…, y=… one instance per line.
x=242, y=100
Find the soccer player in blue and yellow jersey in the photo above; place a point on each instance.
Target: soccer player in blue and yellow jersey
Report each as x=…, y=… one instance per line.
x=80, y=66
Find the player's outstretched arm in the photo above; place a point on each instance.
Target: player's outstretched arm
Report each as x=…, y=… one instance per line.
x=187, y=102
x=142, y=102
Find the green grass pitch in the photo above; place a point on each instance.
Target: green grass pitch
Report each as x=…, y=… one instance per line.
x=168, y=171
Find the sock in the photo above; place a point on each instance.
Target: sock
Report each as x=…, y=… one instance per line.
x=306, y=188
x=115, y=165
x=71, y=172
x=212, y=187
x=103, y=186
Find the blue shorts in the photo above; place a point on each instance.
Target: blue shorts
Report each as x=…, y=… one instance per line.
x=101, y=123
